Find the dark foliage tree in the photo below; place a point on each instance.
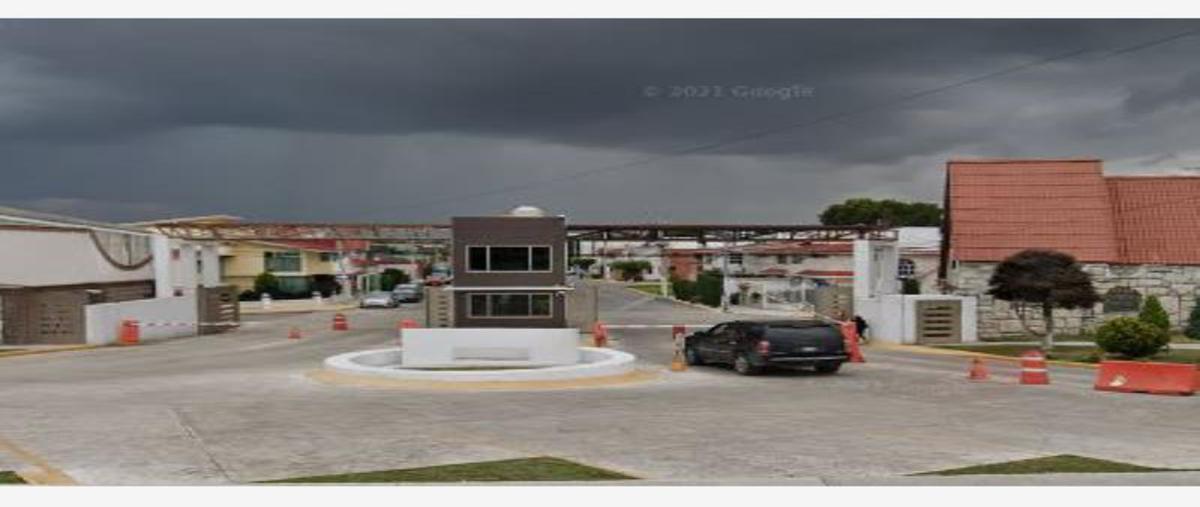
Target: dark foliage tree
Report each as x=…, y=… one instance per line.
x=1193, y=327
x=1042, y=279
x=887, y=212
x=391, y=277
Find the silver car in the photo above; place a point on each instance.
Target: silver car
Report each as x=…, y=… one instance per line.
x=377, y=300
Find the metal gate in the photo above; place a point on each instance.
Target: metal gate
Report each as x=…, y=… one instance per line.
x=939, y=322
x=217, y=306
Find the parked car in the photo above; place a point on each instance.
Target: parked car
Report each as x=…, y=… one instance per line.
x=407, y=293
x=378, y=300
x=752, y=346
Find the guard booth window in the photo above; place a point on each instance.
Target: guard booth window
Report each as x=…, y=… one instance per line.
x=508, y=258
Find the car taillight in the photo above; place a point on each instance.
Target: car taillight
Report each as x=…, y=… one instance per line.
x=764, y=347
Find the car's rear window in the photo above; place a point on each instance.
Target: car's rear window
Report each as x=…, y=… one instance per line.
x=799, y=330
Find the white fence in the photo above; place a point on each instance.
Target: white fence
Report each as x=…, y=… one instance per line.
x=161, y=318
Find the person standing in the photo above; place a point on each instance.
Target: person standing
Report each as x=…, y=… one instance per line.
x=860, y=326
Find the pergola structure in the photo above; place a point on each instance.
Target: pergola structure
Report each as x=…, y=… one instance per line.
x=440, y=233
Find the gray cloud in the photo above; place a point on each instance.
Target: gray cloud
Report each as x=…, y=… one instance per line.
x=390, y=120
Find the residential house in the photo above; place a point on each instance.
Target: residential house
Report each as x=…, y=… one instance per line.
x=1136, y=236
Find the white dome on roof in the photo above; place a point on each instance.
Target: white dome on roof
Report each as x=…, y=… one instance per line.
x=526, y=211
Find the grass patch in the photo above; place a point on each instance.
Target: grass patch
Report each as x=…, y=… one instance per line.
x=524, y=470
x=1079, y=354
x=653, y=289
x=7, y=477
x=1058, y=338
x=1060, y=464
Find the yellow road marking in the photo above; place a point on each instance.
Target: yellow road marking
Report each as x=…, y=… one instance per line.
x=933, y=351
x=41, y=472
x=31, y=352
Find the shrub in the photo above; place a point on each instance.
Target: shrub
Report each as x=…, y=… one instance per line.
x=685, y=290
x=910, y=286
x=1153, y=313
x=1193, y=327
x=1131, y=338
x=266, y=283
x=709, y=287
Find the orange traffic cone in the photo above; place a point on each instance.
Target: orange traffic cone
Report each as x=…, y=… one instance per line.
x=979, y=370
x=1033, y=368
x=340, y=323
x=599, y=335
x=294, y=333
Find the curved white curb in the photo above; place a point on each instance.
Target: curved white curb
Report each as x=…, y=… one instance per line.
x=596, y=362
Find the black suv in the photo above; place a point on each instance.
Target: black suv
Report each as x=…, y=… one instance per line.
x=751, y=346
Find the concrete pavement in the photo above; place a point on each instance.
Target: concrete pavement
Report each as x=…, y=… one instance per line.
x=239, y=407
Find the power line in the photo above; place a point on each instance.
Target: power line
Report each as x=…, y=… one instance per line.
x=766, y=132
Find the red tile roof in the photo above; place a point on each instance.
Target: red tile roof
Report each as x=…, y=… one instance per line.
x=1000, y=207
x=1158, y=218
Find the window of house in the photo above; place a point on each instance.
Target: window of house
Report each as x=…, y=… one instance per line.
x=736, y=258
x=508, y=258
x=781, y=259
x=510, y=305
x=329, y=257
x=906, y=268
x=282, y=262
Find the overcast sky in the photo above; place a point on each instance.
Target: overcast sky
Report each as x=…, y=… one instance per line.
x=415, y=120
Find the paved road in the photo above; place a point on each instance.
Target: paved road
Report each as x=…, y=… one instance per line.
x=239, y=407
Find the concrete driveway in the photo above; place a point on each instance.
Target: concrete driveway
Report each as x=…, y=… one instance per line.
x=239, y=407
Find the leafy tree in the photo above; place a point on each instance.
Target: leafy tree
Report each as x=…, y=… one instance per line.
x=1044, y=279
x=1193, y=327
x=1153, y=313
x=391, y=277
x=887, y=212
x=631, y=269
x=583, y=263
x=1131, y=338
x=266, y=283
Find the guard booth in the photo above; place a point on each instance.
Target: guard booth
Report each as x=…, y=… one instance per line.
x=217, y=308
x=510, y=270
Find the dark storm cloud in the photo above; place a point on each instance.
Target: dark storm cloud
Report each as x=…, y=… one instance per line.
x=375, y=119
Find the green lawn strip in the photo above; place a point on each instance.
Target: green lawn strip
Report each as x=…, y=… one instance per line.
x=1079, y=354
x=1059, y=464
x=511, y=470
x=649, y=288
x=7, y=477
x=1091, y=338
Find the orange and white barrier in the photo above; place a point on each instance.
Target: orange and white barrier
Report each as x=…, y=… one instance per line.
x=1148, y=378
x=678, y=333
x=130, y=333
x=1033, y=368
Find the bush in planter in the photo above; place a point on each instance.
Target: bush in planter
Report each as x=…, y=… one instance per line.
x=1131, y=338
x=1153, y=313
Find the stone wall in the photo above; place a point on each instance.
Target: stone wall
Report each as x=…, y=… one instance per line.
x=1175, y=286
